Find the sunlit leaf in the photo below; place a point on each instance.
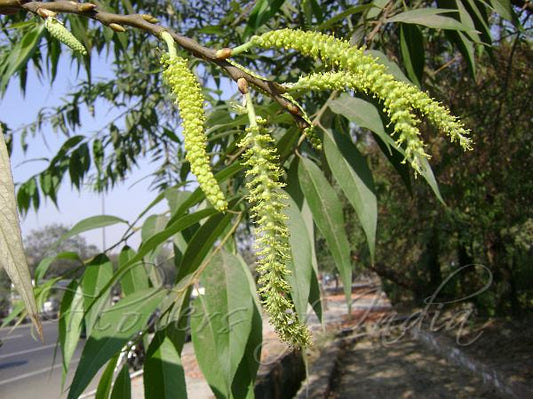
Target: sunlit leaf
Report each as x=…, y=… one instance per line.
x=91, y=223
x=12, y=256
x=222, y=321
x=115, y=327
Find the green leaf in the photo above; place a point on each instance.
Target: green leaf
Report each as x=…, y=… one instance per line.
x=361, y=112
x=343, y=15
x=106, y=379
x=91, y=223
x=378, y=6
x=222, y=322
x=430, y=17
x=202, y=243
x=116, y=326
x=412, y=49
x=12, y=256
x=244, y=380
x=328, y=216
x=70, y=323
x=135, y=278
x=20, y=54
x=44, y=264
x=122, y=385
x=95, y=292
x=351, y=171
x=392, y=67
x=367, y=115
x=301, y=267
x=173, y=228
x=163, y=376
x=505, y=9
x=261, y=13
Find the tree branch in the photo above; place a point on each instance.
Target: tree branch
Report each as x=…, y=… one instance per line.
x=144, y=22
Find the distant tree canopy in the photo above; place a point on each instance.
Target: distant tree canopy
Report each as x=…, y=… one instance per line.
x=47, y=242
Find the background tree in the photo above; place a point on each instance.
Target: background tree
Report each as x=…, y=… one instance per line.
x=47, y=242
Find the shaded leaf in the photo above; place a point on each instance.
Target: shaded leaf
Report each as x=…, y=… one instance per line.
x=164, y=376
x=412, y=49
x=122, y=385
x=351, y=171
x=431, y=18
x=328, y=216
x=301, y=266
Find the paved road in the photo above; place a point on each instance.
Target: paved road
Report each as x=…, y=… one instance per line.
x=27, y=366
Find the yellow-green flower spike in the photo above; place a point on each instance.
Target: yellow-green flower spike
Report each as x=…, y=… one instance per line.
x=371, y=77
x=272, y=235
x=59, y=32
x=439, y=116
x=396, y=106
x=190, y=100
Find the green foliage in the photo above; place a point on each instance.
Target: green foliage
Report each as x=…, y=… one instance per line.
x=292, y=190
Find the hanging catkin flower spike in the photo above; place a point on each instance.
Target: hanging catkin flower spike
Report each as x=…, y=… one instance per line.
x=59, y=32
x=190, y=101
x=268, y=201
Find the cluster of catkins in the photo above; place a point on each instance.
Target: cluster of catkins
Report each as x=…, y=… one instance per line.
x=353, y=69
x=350, y=68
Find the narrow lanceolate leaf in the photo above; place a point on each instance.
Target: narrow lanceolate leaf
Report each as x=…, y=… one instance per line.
x=301, y=266
x=91, y=223
x=431, y=18
x=70, y=323
x=367, y=116
x=115, y=327
x=95, y=292
x=351, y=171
x=122, y=385
x=12, y=257
x=328, y=216
x=164, y=377
x=222, y=321
x=106, y=379
x=135, y=278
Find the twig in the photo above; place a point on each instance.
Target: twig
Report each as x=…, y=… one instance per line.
x=149, y=24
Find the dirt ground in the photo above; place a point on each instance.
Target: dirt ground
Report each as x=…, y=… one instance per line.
x=386, y=362
x=405, y=369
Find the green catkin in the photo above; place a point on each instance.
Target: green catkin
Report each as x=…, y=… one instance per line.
x=396, y=107
x=58, y=31
x=371, y=77
x=268, y=201
x=190, y=101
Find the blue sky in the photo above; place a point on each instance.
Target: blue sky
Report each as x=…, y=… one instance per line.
x=125, y=201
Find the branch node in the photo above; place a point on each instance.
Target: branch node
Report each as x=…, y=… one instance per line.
x=149, y=18
x=242, y=84
x=86, y=7
x=44, y=13
x=116, y=27
x=222, y=54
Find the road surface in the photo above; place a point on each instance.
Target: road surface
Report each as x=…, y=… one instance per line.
x=28, y=369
